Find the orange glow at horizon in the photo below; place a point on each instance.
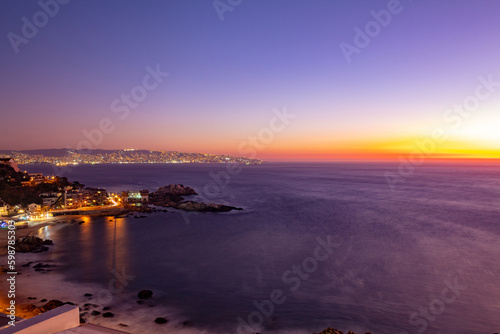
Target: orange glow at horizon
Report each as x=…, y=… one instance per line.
x=384, y=150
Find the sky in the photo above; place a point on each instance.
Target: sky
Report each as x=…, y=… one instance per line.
x=278, y=80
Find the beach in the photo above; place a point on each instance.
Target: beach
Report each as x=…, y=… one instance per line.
x=35, y=270
x=30, y=229
x=23, y=310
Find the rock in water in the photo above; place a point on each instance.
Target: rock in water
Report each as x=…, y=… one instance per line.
x=145, y=294
x=176, y=189
x=32, y=244
x=330, y=330
x=52, y=304
x=205, y=207
x=161, y=320
x=171, y=196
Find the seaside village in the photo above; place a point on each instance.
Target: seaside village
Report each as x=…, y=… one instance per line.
x=64, y=198
x=40, y=199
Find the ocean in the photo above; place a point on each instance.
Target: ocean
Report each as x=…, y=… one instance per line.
x=317, y=245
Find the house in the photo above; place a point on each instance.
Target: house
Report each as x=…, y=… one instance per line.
x=36, y=178
x=49, y=199
x=4, y=208
x=34, y=208
x=135, y=198
x=144, y=195
x=10, y=162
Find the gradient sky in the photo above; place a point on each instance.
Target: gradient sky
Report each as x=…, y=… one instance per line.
x=226, y=77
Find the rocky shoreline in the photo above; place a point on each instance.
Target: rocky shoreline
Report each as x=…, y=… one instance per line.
x=32, y=244
x=113, y=313
x=39, y=299
x=98, y=305
x=173, y=196
x=330, y=330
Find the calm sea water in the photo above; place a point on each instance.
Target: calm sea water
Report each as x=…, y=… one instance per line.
x=424, y=258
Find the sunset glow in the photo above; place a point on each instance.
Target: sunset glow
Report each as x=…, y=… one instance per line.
x=184, y=80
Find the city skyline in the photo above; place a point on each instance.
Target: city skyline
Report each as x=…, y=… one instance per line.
x=287, y=80
x=73, y=157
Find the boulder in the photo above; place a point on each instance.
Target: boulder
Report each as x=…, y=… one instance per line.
x=32, y=244
x=161, y=320
x=330, y=330
x=205, y=207
x=172, y=196
x=50, y=305
x=145, y=294
x=175, y=189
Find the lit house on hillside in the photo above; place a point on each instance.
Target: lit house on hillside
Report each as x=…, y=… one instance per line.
x=34, y=208
x=95, y=196
x=49, y=199
x=4, y=208
x=75, y=199
x=10, y=162
x=137, y=199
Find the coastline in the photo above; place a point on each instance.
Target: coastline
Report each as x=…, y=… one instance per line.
x=33, y=293
x=35, y=288
x=28, y=230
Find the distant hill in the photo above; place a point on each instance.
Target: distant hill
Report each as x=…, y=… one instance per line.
x=56, y=152
x=65, y=156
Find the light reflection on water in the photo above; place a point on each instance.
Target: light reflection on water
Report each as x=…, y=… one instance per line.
x=398, y=248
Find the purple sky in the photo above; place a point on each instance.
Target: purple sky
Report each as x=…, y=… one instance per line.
x=226, y=77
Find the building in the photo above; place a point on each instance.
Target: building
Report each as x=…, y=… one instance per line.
x=10, y=162
x=4, y=208
x=74, y=199
x=62, y=320
x=34, y=208
x=135, y=198
x=49, y=199
x=95, y=196
x=36, y=178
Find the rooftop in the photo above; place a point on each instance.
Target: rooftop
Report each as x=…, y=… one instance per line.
x=64, y=319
